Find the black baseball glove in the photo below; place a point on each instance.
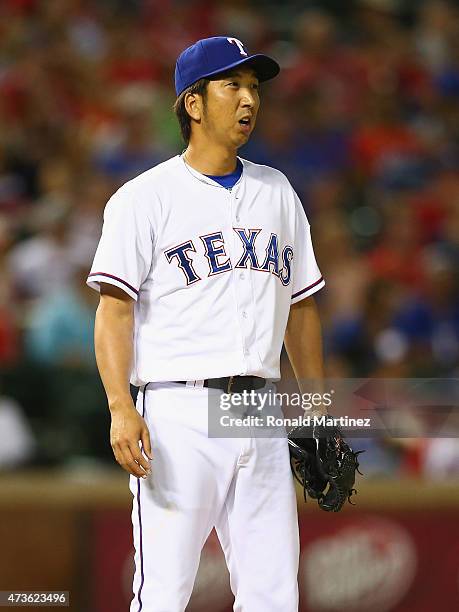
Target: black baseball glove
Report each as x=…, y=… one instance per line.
x=324, y=464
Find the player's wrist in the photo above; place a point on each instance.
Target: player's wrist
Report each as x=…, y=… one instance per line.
x=121, y=403
x=318, y=413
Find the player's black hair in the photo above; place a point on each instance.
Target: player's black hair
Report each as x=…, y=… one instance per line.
x=184, y=119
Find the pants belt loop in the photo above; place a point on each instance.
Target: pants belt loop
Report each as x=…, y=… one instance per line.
x=199, y=384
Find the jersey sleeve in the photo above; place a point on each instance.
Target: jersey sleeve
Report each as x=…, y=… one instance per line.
x=307, y=278
x=124, y=254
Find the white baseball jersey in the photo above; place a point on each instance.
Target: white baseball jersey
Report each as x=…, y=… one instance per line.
x=213, y=271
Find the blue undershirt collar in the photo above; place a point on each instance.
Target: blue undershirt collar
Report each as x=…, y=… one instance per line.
x=228, y=180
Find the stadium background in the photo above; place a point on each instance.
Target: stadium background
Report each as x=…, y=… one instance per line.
x=364, y=120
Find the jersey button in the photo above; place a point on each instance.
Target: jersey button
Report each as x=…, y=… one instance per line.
x=246, y=352
x=242, y=275
x=244, y=314
x=238, y=218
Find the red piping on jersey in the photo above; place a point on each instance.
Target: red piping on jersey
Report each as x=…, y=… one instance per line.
x=114, y=278
x=307, y=288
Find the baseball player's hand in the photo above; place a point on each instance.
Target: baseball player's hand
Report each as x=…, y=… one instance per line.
x=127, y=430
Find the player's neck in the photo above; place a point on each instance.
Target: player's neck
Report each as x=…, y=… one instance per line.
x=213, y=160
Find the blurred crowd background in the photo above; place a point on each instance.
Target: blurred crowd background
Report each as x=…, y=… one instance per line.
x=364, y=120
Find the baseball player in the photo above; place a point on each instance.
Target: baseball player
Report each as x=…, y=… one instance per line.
x=205, y=266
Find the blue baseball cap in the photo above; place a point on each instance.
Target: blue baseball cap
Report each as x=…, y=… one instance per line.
x=209, y=56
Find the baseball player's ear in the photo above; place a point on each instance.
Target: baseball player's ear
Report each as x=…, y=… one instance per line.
x=193, y=106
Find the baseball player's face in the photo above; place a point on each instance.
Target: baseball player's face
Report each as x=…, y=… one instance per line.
x=231, y=108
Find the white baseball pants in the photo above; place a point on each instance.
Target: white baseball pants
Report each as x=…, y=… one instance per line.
x=241, y=486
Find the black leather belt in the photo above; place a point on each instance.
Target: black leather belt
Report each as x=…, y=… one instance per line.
x=232, y=384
